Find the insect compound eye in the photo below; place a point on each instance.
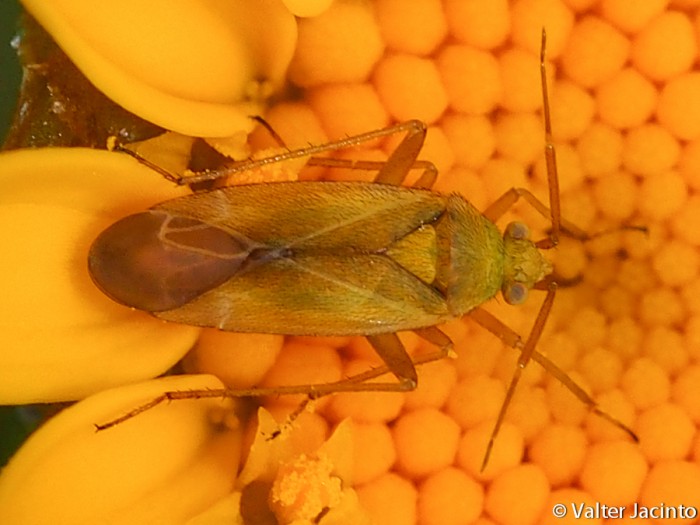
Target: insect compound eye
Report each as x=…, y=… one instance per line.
x=515, y=293
x=155, y=262
x=517, y=230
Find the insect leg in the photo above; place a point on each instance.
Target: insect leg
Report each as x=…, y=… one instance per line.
x=528, y=351
x=397, y=360
x=426, y=180
x=393, y=353
x=403, y=158
x=553, y=212
x=395, y=169
x=414, y=129
x=172, y=177
x=356, y=383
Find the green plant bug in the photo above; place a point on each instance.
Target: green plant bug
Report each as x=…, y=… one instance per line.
x=338, y=258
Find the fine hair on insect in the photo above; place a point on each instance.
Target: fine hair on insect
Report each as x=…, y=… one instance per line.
x=379, y=257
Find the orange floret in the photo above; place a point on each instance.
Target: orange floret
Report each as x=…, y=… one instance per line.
x=662, y=195
x=595, y=52
x=672, y=483
x=649, y=149
x=560, y=451
x=587, y=328
x=416, y=27
x=528, y=409
x=666, y=47
x=679, y=106
x=449, y=497
x=519, y=136
x=617, y=302
x=665, y=432
x=666, y=347
x=426, y=441
x=676, y=263
x=629, y=15
x=479, y=24
x=636, y=275
x=337, y=107
x=521, y=81
x=572, y=110
x=600, y=150
x=410, y=87
x=437, y=380
x=570, y=175
x=239, y=360
x=499, y=175
x=645, y=383
x=471, y=137
x=692, y=328
x=605, y=482
x=686, y=222
x=601, y=367
x=374, y=452
x=438, y=150
x=389, y=500
x=471, y=78
x=612, y=402
x=617, y=195
x=626, y=100
x=692, y=332
x=475, y=399
x=302, y=364
x=294, y=122
x=661, y=306
x=563, y=405
x=341, y=45
x=507, y=450
x=518, y=496
x=686, y=391
x=689, y=164
x=367, y=407
x=529, y=17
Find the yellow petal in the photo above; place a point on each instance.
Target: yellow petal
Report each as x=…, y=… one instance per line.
x=163, y=466
x=189, y=66
x=62, y=338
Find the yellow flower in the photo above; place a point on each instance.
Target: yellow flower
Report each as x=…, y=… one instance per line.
x=196, y=67
x=63, y=339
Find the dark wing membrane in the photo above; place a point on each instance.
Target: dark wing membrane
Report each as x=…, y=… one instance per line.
x=323, y=295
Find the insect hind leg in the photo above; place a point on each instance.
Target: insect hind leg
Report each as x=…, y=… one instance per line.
x=361, y=382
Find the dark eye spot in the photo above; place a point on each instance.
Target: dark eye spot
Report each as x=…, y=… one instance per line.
x=515, y=293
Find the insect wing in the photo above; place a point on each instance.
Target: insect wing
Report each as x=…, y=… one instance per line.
x=324, y=258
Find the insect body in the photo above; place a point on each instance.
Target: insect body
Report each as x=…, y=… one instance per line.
x=313, y=258
x=326, y=258
x=332, y=258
